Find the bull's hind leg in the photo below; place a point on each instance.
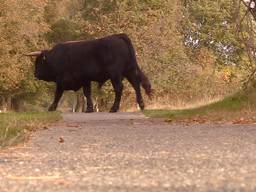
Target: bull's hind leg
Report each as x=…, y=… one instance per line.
x=87, y=94
x=118, y=88
x=58, y=94
x=135, y=82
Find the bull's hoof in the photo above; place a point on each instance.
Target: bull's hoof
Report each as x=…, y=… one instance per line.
x=89, y=111
x=52, y=108
x=113, y=110
x=142, y=106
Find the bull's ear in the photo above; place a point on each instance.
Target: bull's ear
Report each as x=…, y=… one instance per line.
x=33, y=54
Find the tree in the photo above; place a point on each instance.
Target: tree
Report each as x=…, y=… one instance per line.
x=152, y=26
x=176, y=67
x=22, y=28
x=213, y=24
x=247, y=35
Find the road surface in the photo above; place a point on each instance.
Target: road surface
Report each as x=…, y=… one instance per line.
x=127, y=152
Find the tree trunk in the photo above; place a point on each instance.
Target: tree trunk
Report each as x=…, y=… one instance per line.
x=80, y=103
x=3, y=104
x=16, y=104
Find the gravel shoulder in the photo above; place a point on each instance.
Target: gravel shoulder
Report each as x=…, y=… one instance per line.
x=129, y=152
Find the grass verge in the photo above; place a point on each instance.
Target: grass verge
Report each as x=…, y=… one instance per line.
x=239, y=108
x=15, y=126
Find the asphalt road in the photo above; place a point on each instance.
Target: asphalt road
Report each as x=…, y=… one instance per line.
x=104, y=152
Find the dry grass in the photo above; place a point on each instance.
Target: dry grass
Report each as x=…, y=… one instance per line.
x=166, y=102
x=178, y=104
x=239, y=108
x=15, y=126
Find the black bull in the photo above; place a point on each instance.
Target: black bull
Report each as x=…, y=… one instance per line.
x=72, y=65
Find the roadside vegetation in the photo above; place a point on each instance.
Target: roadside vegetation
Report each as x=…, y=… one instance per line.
x=239, y=108
x=192, y=51
x=15, y=127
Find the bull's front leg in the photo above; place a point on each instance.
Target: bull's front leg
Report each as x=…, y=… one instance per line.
x=58, y=93
x=118, y=88
x=87, y=94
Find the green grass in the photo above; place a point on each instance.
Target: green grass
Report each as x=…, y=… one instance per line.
x=230, y=107
x=15, y=126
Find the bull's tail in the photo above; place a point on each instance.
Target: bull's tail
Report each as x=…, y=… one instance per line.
x=143, y=78
x=145, y=83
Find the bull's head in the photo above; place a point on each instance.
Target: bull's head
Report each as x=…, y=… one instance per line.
x=43, y=69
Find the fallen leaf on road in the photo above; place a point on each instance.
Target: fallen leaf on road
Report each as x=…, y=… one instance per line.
x=168, y=120
x=241, y=121
x=61, y=140
x=63, y=183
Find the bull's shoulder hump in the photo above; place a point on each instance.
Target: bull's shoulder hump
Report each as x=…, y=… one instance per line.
x=67, y=45
x=73, y=42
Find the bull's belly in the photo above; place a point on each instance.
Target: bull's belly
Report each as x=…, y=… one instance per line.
x=71, y=85
x=73, y=82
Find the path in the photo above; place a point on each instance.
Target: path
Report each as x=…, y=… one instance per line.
x=104, y=152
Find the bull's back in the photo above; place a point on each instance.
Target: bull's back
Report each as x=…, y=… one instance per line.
x=95, y=60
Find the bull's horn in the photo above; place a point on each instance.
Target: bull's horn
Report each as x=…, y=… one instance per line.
x=35, y=53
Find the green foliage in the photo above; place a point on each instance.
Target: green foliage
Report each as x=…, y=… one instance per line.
x=63, y=30
x=65, y=20
x=213, y=24
x=21, y=27
x=176, y=67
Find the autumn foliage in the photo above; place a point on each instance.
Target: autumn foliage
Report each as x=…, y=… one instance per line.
x=188, y=49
